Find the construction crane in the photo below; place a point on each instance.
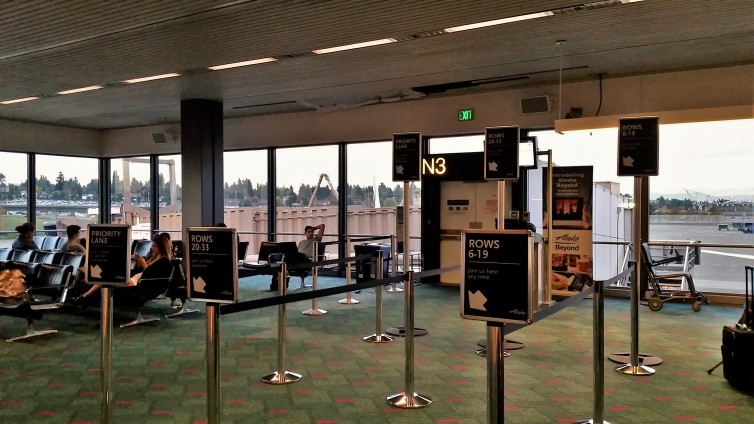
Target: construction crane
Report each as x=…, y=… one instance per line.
x=316, y=187
x=697, y=197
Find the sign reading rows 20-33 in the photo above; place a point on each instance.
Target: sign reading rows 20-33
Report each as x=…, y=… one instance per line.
x=212, y=264
x=497, y=276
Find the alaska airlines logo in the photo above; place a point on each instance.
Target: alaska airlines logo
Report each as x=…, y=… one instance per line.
x=567, y=243
x=516, y=312
x=567, y=238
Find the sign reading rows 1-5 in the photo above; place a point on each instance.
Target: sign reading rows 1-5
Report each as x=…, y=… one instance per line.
x=212, y=258
x=638, y=147
x=108, y=254
x=407, y=156
x=496, y=270
x=501, y=153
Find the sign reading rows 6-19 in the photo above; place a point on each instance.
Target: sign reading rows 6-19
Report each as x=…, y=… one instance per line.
x=407, y=155
x=638, y=147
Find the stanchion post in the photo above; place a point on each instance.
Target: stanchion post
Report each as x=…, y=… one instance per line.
x=281, y=376
x=394, y=259
x=349, y=300
x=314, y=310
x=213, y=363
x=495, y=378
x=409, y=398
x=106, y=354
x=598, y=358
x=378, y=336
x=637, y=366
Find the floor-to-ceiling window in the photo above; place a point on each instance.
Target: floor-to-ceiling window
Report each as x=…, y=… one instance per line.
x=130, y=194
x=13, y=195
x=306, y=191
x=246, y=196
x=67, y=193
x=703, y=193
x=169, y=197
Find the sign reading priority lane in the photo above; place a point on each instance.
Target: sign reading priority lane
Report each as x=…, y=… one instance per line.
x=108, y=254
x=212, y=264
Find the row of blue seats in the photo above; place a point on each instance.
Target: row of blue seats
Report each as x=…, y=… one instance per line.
x=42, y=257
x=50, y=242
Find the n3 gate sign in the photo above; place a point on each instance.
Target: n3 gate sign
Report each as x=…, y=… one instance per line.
x=212, y=264
x=497, y=285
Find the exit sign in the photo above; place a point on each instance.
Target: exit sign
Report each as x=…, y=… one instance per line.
x=466, y=114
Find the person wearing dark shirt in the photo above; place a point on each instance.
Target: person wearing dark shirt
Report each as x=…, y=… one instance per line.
x=73, y=245
x=25, y=240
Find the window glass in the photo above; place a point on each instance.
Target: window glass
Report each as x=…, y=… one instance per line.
x=170, y=213
x=130, y=195
x=13, y=195
x=373, y=195
x=703, y=193
x=67, y=193
x=306, y=192
x=245, y=194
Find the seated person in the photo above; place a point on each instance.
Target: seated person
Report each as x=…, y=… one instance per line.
x=25, y=240
x=158, y=265
x=73, y=245
x=305, y=249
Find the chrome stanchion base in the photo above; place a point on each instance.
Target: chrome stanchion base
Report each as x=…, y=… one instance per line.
x=401, y=331
x=374, y=338
x=634, y=369
x=483, y=353
x=592, y=422
x=276, y=378
x=313, y=312
x=348, y=301
x=401, y=400
x=644, y=359
x=508, y=345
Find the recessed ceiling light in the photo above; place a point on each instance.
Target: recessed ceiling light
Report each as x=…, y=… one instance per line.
x=499, y=21
x=25, y=99
x=82, y=89
x=152, y=78
x=239, y=64
x=355, y=46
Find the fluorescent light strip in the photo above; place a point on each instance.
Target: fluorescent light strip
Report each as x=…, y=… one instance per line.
x=499, y=21
x=239, y=64
x=152, y=78
x=355, y=46
x=79, y=90
x=25, y=99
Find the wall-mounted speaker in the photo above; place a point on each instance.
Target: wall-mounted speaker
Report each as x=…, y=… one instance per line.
x=538, y=104
x=159, y=138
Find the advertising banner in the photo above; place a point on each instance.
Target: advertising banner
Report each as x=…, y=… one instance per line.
x=571, y=240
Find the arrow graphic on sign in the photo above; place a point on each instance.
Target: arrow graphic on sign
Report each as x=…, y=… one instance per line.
x=96, y=271
x=628, y=161
x=477, y=300
x=399, y=169
x=492, y=166
x=199, y=284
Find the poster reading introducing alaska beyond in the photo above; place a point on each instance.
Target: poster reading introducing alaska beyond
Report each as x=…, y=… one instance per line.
x=571, y=241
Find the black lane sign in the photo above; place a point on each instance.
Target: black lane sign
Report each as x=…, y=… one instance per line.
x=407, y=156
x=501, y=153
x=108, y=254
x=212, y=260
x=638, y=147
x=496, y=270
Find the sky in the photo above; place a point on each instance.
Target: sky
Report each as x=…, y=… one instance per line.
x=714, y=158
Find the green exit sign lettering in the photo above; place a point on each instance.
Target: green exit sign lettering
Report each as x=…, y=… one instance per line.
x=466, y=115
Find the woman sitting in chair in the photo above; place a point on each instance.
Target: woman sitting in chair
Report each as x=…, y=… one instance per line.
x=158, y=265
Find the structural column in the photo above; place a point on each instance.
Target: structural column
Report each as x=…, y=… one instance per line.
x=202, y=162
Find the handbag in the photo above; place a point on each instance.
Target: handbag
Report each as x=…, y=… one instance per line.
x=12, y=284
